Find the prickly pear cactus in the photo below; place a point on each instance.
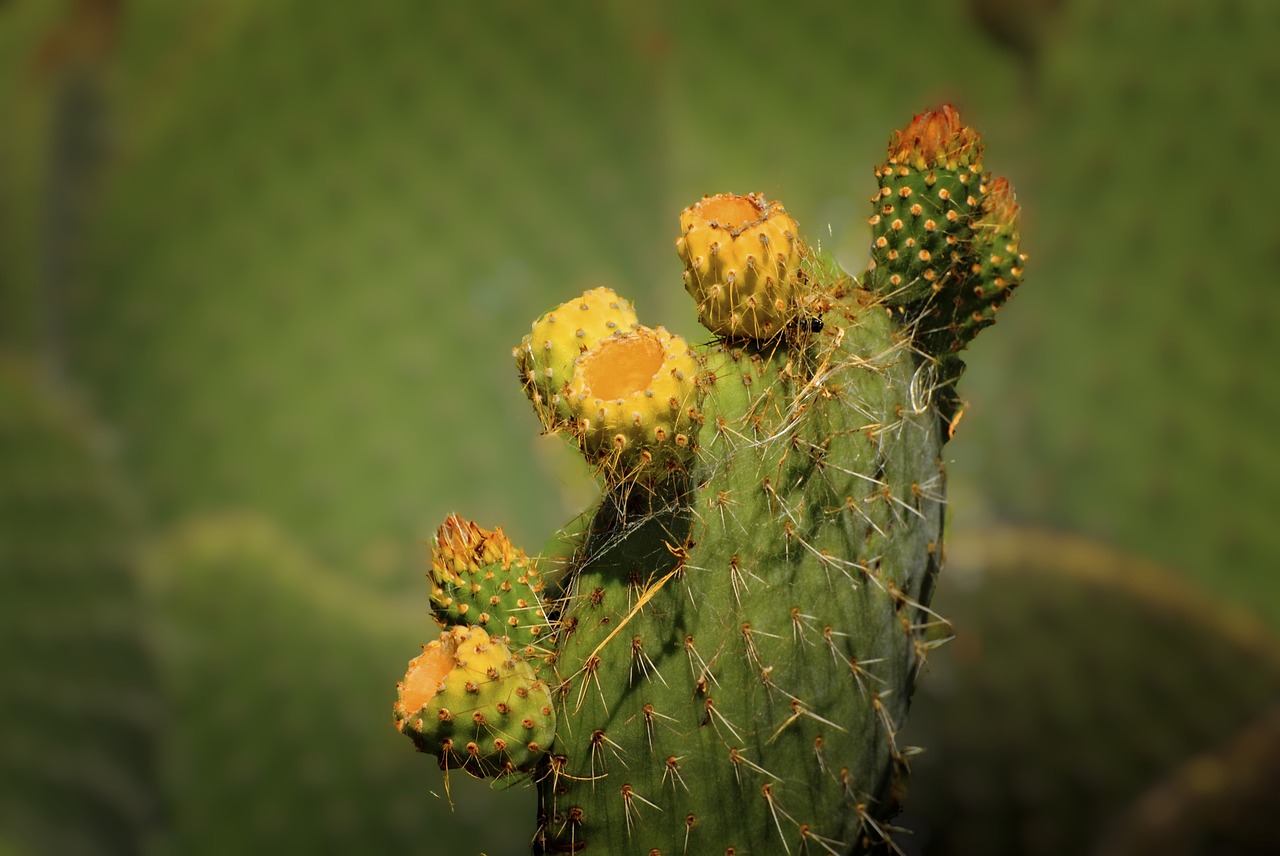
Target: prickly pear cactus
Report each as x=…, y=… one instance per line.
x=735, y=642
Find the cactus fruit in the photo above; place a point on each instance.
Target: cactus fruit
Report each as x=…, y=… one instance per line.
x=471, y=698
x=741, y=259
x=477, y=706
x=945, y=244
x=928, y=192
x=478, y=576
x=736, y=638
x=631, y=399
x=546, y=357
x=621, y=390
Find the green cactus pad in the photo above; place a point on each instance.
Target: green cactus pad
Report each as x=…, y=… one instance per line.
x=1079, y=678
x=471, y=702
x=737, y=632
x=81, y=713
x=741, y=627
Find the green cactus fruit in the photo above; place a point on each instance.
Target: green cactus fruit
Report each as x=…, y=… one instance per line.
x=81, y=713
x=742, y=258
x=929, y=191
x=546, y=357
x=997, y=262
x=479, y=577
x=632, y=401
x=471, y=702
x=1079, y=678
x=946, y=248
x=995, y=269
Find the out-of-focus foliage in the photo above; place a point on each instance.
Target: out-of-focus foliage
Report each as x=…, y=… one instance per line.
x=1133, y=399
x=79, y=703
x=278, y=730
x=1079, y=678
x=281, y=252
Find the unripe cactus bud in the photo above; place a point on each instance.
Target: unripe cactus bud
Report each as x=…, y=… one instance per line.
x=929, y=191
x=480, y=578
x=741, y=259
x=996, y=266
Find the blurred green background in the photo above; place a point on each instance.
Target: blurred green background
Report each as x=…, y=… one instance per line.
x=261, y=268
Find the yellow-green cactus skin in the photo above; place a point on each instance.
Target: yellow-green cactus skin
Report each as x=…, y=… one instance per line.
x=742, y=258
x=632, y=397
x=546, y=357
x=735, y=630
x=476, y=705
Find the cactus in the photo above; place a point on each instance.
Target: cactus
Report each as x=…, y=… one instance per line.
x=278, y=116
x=734, y=644
x=1222, y=801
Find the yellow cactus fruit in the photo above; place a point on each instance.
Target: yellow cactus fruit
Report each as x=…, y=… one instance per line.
x=471, y=702
x=741, y=259
x=632, y=397
x=545, y=357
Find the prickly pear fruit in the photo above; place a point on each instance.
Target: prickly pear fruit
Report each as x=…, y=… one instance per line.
x=545, y=357
x=945, y=250
x=632, y=399
x=479, y=577
x=475, y=705
x=928, y=194
x=995, y=265
x=741, y=259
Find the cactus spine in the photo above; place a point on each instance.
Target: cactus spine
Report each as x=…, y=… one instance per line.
x=736, y=640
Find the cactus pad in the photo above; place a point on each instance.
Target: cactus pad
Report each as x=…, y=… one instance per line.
x=735, y=633
x=81, y=714
x=1079, y=677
